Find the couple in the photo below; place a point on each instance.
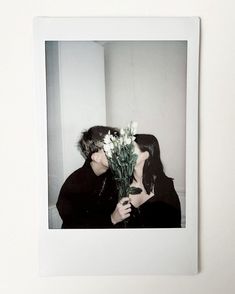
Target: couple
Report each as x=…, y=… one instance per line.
x=89, y=197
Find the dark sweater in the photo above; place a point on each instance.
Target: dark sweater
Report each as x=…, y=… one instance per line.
x=160, y=211
x=87, y=200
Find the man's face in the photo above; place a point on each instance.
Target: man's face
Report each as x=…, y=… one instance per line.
x=103, y=158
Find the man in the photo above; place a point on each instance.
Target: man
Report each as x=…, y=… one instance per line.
x=88, y=198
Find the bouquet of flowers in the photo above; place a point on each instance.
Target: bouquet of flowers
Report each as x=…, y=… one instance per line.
x=122, y=159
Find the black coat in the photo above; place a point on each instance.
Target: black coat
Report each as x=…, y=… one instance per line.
x=87, y=200
x=162, y=210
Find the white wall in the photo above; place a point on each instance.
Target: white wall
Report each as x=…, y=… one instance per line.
x=19, y=170
x=54, y=138
x=76, y=101
x=82, y=95
x=146, y=82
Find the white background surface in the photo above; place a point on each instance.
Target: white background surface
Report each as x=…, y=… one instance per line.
x=19, y=211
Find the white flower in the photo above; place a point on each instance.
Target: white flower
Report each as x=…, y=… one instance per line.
x=121, y=141
x=109, y=154
x=134, y=126
x=107, y=139
x=127, y=140
x=111, y=145
x=122, y=132
x=107, y=150
x=133, y=138
x=107, y=147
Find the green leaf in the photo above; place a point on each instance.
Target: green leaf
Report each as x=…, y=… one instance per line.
x=135, y=190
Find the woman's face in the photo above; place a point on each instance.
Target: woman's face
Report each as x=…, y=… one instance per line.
x=142, y=156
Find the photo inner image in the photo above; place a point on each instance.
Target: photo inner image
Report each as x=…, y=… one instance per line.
x=116, y=134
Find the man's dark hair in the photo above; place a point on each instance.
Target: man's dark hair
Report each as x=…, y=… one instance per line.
x=92, y=140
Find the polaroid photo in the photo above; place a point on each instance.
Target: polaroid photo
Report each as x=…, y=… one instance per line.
x=117, y=124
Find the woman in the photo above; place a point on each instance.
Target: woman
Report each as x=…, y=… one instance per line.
x=157, y=206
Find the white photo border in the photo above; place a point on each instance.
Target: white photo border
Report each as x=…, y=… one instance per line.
x=113, y=251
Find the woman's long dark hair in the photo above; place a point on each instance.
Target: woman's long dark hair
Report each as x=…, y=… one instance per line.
x=153, y=170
